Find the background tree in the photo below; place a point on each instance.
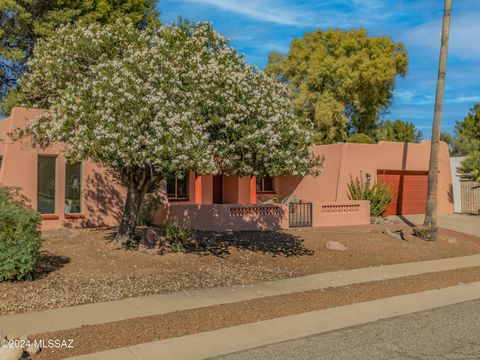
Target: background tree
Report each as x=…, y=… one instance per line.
x=360, y=138
x=446, y=137
x=429, y=230
x=467, y=133
x=471, y=165
x=23, y=22
x=341, y=80
x=150, y=104
x=398, y=130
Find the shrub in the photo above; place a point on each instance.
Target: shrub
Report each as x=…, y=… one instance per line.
x=379, y=195
x=19, y=237
x=149, y=205
x=177, y=235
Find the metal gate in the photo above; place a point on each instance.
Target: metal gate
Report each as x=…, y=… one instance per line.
x=300, y=214
x=470, y=195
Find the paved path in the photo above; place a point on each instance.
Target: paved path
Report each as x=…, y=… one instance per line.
x=207, y=345
x=76, y=316
x=451, y=332
x=468, y=224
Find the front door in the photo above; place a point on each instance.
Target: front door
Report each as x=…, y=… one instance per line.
x=218, y=189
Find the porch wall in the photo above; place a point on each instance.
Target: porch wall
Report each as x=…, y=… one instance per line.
x=235, y=217
x=225, y=217
x=346, y=213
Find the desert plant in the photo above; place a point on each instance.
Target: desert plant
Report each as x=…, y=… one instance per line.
x=379, y=194
x=19, y=237
x=149, y=205
x=177, y=235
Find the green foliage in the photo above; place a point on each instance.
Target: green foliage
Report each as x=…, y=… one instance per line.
x=19, y=237
x=150, y=204
x=177, y=235
x=152, y=103
x=467, y=133
x=23, y=22
x=341, y=80
x=360, y=139
x=379, y=195
x=398, y=130
x=446, y=137
x=471, y=165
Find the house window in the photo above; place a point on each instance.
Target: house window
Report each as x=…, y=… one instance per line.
x=177, y=188
x=265, y=184
x=46, y=184
x=73, y=188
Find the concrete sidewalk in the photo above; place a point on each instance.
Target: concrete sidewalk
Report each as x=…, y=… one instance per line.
x=76, y=316
x=239, y=338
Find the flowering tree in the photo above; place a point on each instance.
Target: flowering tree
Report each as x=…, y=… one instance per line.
x=151, y=104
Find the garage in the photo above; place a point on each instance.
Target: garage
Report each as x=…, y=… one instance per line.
x=409, y=191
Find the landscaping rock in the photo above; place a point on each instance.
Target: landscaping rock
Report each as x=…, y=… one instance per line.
x=11, y=353
x=380, y=220
x=335, y=245
x=397, y=234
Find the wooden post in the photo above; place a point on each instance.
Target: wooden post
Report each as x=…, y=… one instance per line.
x=253, y=189
x=198, y=189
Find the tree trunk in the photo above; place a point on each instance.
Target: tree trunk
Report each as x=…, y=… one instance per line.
x=128, y=223
x=429, y=231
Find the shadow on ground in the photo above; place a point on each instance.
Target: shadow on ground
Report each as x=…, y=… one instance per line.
x=406, y=221
x=202, y=243
x=48, y=263
x=265, y=242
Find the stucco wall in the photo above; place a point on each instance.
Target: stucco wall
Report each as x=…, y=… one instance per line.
x=235, y=217
x=102, y=197
x=345, y=160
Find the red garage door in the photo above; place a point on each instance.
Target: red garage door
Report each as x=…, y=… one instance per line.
x=409, y=191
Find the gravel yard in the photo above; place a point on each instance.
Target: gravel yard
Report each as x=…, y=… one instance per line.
x=83, y=266
x=94, y=338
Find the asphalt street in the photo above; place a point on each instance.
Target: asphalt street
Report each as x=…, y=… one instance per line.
x=451, y=332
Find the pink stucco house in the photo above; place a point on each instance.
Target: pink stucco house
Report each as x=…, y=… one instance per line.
x=84, y=194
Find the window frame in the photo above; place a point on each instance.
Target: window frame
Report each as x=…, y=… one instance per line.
x=81, y=190
x=186, y=178
x=262, y=185
x=55, y=174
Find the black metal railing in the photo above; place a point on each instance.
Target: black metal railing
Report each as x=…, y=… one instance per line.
x=300, y=214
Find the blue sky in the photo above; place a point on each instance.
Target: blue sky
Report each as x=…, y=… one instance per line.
x=257, y=27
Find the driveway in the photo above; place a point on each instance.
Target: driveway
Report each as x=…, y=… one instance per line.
x=468, y=224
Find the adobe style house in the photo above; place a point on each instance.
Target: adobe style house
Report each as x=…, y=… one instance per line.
x=86, y=195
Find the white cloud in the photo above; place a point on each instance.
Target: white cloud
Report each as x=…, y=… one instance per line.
x=463, y=42
x=263, y=10
x=318, y=14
